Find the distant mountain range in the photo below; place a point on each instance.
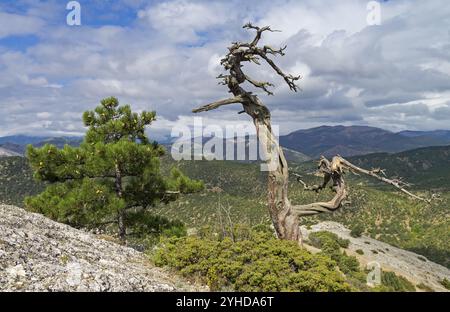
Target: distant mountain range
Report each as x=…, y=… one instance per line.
x=438, y=134
x=16, y=145
x=7, y=153
x=240, y=149
x=299, y=145
x=359, y=140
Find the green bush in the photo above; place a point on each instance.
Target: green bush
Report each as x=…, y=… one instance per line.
x=331, y=245
x=320, y=237
x=356, y=231
x=359, y=251
x=258, y=263
x=446, y=283
x=348, y=264
x=393, y=282
x=425, y=287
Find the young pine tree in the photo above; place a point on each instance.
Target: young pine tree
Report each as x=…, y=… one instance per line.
x=113, y=177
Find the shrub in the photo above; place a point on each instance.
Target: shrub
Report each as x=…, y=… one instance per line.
x=446, y=283
x=396, y=283
x=348, y=264
x=425, y=287
x=320, y=237
x=356, y=231
x=359, y=251
x=259, y=263
x=330, y=245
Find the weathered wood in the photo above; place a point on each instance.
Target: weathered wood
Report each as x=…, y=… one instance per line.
x=284, y=215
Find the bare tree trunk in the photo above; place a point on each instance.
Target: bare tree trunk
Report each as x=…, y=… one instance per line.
x=285, y=223
x=284, y=215
x=121, y=212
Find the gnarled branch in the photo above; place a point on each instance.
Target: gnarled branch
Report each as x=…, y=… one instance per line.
x=260, y=84
x=397, y=183
x=214, y=105
x=284, y=215
x=334, y=171
x=259, y=31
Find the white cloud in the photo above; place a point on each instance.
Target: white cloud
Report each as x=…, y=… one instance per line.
x=182, y=20
x=14, y=24
x=394, y=75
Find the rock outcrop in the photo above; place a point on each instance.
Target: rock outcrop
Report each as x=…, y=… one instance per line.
x=38, y=254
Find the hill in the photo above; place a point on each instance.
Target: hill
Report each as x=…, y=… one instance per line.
x=16, y=148
x=16, y=145
x=238, y=190
x=437, y=134
x=21, y=139
x=410, y=265
x=354, y=140
x=424, y=167
x=300, y=145
x=16, y=181
x=4, y=152
x=38, y=254
x=239, y=148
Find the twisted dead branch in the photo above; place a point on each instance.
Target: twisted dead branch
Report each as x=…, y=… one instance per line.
x=284, y=215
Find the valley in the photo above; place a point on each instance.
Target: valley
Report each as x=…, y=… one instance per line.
x=236, y=194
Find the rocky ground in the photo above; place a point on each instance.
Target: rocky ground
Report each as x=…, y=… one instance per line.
x=38, y=254
x=416, y=268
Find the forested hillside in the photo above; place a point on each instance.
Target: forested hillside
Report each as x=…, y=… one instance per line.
x=236, y=192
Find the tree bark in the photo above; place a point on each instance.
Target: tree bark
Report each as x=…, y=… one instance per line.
x=284, y=215
x=284, y=221
x=121, y=213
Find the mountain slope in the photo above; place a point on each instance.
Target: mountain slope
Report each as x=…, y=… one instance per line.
x=384, y=213
x=427, y=167
x=353, y=140
x=21, y=139
x=410, y=265
x=16, y=145
x=19, y=149
x=7, y=153
x=240, y=188
x=437, y=134
x=238, y=148
x=38, y=254
x=16, y=181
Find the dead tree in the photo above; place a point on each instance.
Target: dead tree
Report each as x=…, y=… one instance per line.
x=284, y=215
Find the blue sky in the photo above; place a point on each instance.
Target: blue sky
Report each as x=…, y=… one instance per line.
x=163, y=56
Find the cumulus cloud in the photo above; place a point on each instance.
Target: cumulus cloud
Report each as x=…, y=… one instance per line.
x=15, y=24
x=164, y=57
